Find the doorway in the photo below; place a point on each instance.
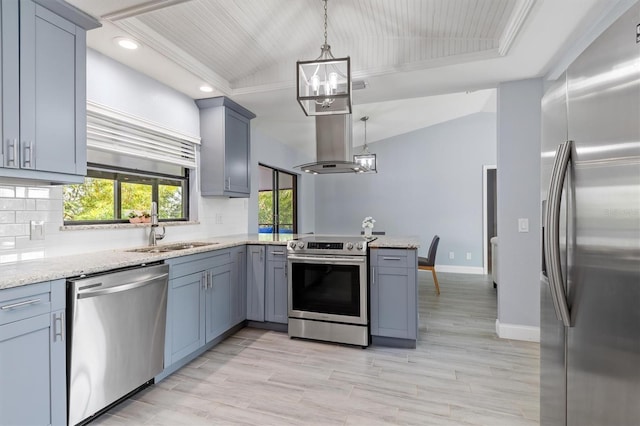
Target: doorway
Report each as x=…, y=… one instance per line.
x=490, y=213
x=277, y=206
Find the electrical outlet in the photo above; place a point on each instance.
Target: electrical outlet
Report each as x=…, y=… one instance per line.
x=451, y=255
x=468, y=255
x=523, y=225
x=218, y=218
x=37, y=230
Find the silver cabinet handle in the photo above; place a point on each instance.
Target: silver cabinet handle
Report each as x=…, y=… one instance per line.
x=261, y=254
x=12, y=152
x=278, y=253
x=203, y=282
x=20, y=304
x=58, y=331
x=27, y=161
x=210, y=280
x=552, y=232
x=391, y=258
x=227, y=183
x=373, y=275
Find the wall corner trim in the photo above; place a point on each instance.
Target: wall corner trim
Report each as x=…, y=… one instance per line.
x=517, y=332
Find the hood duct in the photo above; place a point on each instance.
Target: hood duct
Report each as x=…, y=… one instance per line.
x=333, y=146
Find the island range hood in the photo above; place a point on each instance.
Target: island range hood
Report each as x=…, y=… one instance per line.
x=333, y=146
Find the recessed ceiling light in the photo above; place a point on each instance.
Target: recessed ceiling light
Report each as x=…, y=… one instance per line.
x=206, y=88
x=126, y=43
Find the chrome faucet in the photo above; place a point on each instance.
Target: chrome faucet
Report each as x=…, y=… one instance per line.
x=153, y=235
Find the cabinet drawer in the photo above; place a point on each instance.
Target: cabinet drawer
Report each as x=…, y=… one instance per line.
x=393, y=258
x=198, y=262
x=278, y=253
x=25, y=302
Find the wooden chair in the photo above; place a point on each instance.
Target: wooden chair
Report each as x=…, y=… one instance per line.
x=428, y=263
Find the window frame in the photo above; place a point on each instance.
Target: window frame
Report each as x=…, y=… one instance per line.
x=275, y=180
x=118, y=175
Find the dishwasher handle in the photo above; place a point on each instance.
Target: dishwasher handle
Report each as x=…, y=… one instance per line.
x=83, y=294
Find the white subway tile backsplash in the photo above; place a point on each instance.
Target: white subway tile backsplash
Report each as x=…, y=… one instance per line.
x=7, y=216
x=14, y=230
x=7, y=191
x=27, y=216
x=21, y=192
x=11, y=204
x=7, y=243
x=29, y=204
x=43, y=192
x=25, y=243
x=48, y=205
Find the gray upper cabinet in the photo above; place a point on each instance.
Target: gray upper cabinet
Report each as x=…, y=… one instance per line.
x=43, y=93
x=225, y=152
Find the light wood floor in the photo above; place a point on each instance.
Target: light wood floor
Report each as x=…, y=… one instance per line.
x=460, y=374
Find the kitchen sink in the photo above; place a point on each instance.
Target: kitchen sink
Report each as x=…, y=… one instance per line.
x=170, y=247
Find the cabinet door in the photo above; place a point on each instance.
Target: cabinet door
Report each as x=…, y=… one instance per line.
x=25, y=373
x=9, y=84
x=218, y=301
x=276, y=292
x=393, y=302
x=237, y=161
x=52, y=92
x=186, y=303
x=239, y=287
x=255, y=283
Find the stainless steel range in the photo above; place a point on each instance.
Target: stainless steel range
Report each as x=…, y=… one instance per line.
x=328, y=289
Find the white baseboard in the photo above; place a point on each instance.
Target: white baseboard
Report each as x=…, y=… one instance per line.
x=460, y=269
x=518, y=332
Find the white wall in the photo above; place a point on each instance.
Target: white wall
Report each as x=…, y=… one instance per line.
x=518, y=184
x=429, y=182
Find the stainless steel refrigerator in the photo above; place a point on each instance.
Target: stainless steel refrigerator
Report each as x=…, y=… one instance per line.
x=590, y=281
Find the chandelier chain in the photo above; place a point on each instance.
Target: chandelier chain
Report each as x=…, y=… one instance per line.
x=325, y=22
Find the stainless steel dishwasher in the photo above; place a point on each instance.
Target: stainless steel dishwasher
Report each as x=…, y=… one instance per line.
x=116, y=337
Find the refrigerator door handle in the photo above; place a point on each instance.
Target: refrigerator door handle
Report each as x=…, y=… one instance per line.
x=552, y=232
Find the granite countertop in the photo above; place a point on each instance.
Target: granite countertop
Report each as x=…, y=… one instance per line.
x=51, y=268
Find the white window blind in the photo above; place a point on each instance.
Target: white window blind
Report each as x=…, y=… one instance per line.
x=117, y=132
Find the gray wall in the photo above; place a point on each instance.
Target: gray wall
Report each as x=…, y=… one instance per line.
x=518, y=197
x=274, y=154
x=429, y=182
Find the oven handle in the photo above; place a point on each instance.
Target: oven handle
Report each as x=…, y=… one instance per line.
x=328, y=259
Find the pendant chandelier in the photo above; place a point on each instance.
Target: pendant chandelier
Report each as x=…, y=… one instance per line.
x=324, y=84
x=366, y=160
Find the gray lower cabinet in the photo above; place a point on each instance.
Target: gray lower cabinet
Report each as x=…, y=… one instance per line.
x=255, y=282
x=206, y=298
x=394, y=293
x=43, y=94
x=33, y=387
x=276, y=293
x=267, y=294
x=225, y=152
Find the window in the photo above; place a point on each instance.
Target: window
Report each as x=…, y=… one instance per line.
x=116, y=195
x=277, y=206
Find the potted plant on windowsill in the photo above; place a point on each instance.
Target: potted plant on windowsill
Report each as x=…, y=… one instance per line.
x=136, y=216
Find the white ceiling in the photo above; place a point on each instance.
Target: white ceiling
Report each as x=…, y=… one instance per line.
x=425, y=61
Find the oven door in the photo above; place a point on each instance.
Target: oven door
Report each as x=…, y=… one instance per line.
x=328, y=288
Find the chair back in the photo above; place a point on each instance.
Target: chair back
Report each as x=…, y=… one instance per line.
x=433, y=248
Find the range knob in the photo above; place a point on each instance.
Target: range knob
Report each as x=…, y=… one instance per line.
x=349, y=246
x=300, y=244
x=359, y=246
x=292, y=244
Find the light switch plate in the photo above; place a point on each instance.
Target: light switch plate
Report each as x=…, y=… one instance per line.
x=37, y=230
x=523, y=225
